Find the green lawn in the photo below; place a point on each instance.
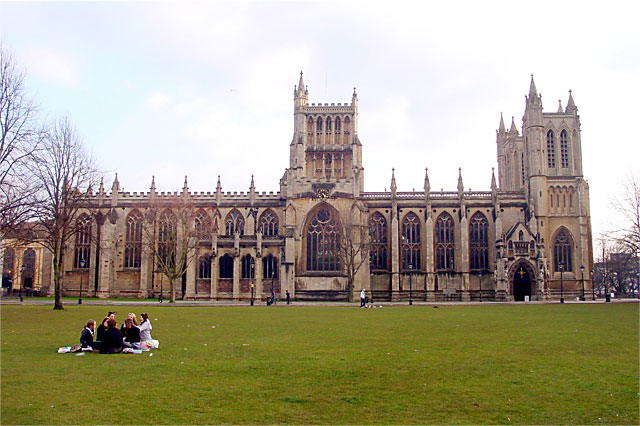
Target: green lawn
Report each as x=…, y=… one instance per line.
x=533, y=364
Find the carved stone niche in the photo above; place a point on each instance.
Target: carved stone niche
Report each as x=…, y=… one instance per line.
x=113, y=216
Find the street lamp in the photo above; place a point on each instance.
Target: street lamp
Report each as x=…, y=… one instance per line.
x=81, y=274
x=160, y=297
x=21, y=281
x=561, y=265
x=582, y=280
x=410, y=284
x=480, y=284
x=607, y=298
x=371, y=287
x=253, y=277
x=593, y=287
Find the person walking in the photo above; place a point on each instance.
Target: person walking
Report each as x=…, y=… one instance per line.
x=363, y=298
x=288, y=298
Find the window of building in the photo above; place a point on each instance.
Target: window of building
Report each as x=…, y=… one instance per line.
x=226, y=266
x=7, y=267
x=269, y=266
x=133, y=240
x=82, y=252
x=338, y=124
x=29, y=267
x=204, y=267
x=328, y=124
x=562, y=250
x=378, y=242
x=319, y=124
x=167, y=240
x=268, y=223
x=478, y=242
x=323, y=242
x=248, y=266
x=564, y=150
x=551, y=150
x=411, y=249
x=445, y=243
x=234, y=223
x=202, y=225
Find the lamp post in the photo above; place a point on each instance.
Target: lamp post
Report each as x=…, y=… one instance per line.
x=371, y=288
x=21, y=281
x=607, y=298
x=253, y=277
x=480, y=284
x=561, y=265
x=160, y=297
x=81, y=274
x=582, y=280
x=593, y=287
x=410, y=284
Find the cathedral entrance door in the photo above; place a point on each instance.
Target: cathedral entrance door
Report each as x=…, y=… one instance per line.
x=521, y=284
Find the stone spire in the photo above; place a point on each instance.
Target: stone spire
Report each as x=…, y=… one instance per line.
x=427, y=185
x=534, y=98
x=394, y=187
x=571, y=105
x=501, y=128
x=116, y=185
x=354, y=97
x=252, y=192
x=513, y=129
x=185, y=187
x=218, y=192
x=101, y=188
x=460, y=184
x=560, y=106
x=152, y=190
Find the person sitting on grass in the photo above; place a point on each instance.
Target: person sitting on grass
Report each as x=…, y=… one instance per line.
x=101, y=329
x=131, y=334
x=112, y=339
x=132, y=317
x=145, y=327
x=86, y=337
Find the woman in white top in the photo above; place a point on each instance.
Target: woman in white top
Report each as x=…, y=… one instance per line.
x=145, y=327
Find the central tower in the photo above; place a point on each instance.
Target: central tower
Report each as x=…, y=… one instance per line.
x=325, y=152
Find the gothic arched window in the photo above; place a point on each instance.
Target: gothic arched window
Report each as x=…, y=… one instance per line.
x=551, y=150
x=323, y=241
x=29, y=267
x=319, y=124
x=445, y=243
x=478, y=242
x=564, y=150
x=338, y=124
x=133, y=240
x=378, y=242
x=268, y=223
x=234, y=223
x=411, y=250
x=562, y=252
x=328, y=124
x=167, y=240
x=82, y=252
x=202, y=225
x=204, y=267
x=7, y=266
x=269, y=266
x=226, y=266
x=248, y=265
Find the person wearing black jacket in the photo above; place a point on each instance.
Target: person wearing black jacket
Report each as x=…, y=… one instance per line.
x=131, y=334
x=112, y=339
x=101, y=329
x=86, y=337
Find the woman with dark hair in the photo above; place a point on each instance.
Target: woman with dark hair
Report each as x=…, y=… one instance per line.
x=101, y=329
x=112, y=339
x=145, y=332
x=131, y=334
x=86, y=337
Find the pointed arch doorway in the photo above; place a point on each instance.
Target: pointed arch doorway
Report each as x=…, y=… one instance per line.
x=522, y=279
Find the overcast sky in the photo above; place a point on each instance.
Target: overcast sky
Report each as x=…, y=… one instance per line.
x=205, y=89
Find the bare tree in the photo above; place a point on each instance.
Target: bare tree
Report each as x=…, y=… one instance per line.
x=171, y=239
x=628, y=206
x=354, y=249
x=64, y=174
x=21, y=135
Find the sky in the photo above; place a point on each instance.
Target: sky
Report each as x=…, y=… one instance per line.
x=202, y=89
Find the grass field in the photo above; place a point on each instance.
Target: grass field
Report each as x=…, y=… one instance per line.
x=533, y=364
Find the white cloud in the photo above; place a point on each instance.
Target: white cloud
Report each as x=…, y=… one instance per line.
x=53, y=65
x=158, y=100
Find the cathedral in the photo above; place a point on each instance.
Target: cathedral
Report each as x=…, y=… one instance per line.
x=322, y=237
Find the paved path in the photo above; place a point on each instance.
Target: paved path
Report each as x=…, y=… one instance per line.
x=208, y=303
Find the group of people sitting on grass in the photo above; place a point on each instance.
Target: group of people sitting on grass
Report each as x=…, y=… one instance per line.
x=110, y=339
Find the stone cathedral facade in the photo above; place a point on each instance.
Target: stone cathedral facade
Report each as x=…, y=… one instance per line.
x=527, y=236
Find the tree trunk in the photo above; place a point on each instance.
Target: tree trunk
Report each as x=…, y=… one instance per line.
x=172, y=286
x=57, y=279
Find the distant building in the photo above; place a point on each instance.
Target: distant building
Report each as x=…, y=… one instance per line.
x=526, y=233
